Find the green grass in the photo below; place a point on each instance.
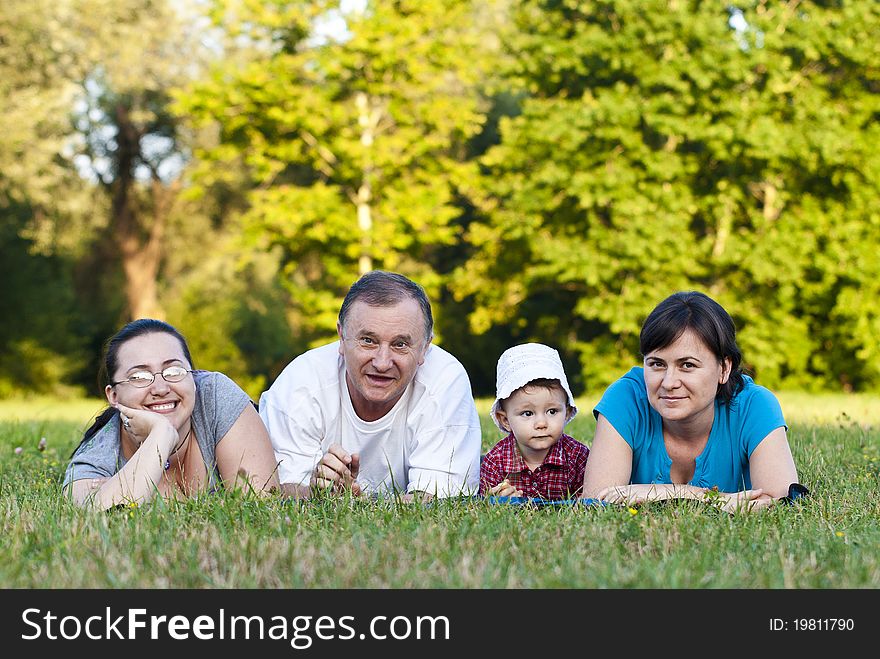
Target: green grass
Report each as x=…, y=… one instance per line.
x=40, y=408
x=230, y=540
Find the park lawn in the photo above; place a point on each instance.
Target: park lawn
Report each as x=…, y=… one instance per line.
x=232, y=540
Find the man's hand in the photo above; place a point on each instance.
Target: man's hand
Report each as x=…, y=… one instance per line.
x=336, y=472
x=417, y=496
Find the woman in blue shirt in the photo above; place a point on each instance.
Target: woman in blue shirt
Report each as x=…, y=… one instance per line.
x=689, y=424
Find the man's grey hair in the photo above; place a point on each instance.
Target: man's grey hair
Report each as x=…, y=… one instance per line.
x=379, y=288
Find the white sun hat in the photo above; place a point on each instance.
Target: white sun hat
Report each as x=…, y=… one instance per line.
x=521, y=364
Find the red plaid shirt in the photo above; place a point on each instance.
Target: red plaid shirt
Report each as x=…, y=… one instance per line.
x=560, y=476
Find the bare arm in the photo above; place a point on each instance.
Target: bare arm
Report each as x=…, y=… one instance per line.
x=417, y=496
x=771, y=465
x=295, y=491
x=610, y=461
x=609, y=469
x=137, y=481
x=730, y=502
x=245, y=457
x=336, y=473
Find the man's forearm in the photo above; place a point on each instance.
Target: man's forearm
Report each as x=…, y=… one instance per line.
x=295, y=491
x=417, y=496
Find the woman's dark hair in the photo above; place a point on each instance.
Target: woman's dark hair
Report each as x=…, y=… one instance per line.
x=133, y=330
x=695, y=311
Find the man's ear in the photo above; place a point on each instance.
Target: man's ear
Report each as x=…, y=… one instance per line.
x=339, y=332
x=424, y=351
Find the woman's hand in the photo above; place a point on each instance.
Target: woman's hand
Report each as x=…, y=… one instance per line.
x=633, y=494
x=140, y=423
x=504, y=489
x=729, y=502
x=740, y=502
x=136, y=482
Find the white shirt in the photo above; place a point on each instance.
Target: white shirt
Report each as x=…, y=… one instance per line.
x=429, y=441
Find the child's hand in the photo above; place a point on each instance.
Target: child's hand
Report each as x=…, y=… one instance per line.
x=505, y=489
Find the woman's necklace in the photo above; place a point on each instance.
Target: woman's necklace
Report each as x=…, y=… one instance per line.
x=177, y=448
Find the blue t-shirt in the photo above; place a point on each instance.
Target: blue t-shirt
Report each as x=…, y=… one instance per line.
x=737, y=430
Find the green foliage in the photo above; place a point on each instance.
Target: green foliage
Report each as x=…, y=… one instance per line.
x=355, y=146
x=41, y=51
x=638, y=147
x=83, y=87
x=39, y=346
x=658, y=149
x=233, y=313
x=27, y=366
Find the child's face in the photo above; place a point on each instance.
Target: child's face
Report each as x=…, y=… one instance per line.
x=536, y=416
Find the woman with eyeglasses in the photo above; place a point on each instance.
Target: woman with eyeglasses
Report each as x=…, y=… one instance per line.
x=170, y=430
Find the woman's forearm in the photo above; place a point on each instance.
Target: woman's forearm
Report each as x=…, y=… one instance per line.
x=727, y=501
x=137, y=482
x=678, y=491
x=641, y=493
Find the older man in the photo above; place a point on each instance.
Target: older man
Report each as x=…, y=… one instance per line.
x=380, y=411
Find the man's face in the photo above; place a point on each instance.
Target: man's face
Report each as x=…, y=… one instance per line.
x=382, y=348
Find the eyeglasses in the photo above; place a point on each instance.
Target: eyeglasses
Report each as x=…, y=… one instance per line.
x=141, y=379
x=369, y=344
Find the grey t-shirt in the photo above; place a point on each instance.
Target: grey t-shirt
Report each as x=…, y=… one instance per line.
x=219, y=402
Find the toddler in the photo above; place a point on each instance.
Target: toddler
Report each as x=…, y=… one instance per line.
x=533, y=404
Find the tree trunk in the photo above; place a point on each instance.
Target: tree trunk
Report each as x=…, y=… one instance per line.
x=365, y=224
x=368, y=121
x=140, y=248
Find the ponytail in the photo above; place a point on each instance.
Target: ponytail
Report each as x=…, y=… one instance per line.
x=102, y=420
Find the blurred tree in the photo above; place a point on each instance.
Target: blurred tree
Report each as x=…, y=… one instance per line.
x=43, y=207
x=641, y=148
x=40, y=348
x=355, y=138
x=42, y=55
x=676, y=145
x=110, y=67
x=173, y=240
x=232, y=309
x=129, y=141
x=93, y=188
